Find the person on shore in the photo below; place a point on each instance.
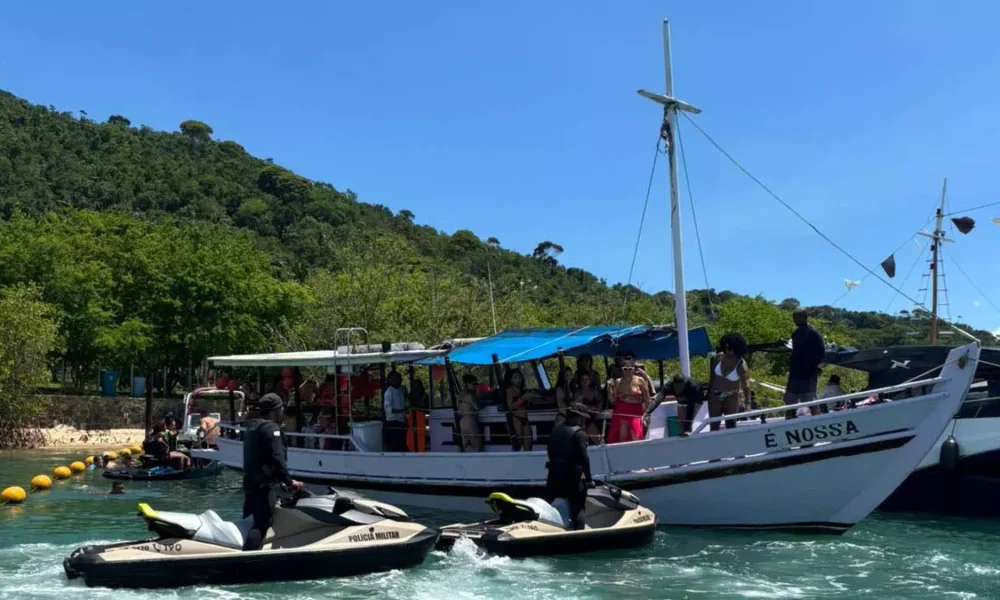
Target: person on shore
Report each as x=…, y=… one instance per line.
x=729, y=380
x=517, y=404
x=569, y=474
x=468, y=411
x=394, y=403
x=808, y=353
x=263, y=467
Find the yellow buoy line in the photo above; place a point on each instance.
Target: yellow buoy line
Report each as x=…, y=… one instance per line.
x=16, y=494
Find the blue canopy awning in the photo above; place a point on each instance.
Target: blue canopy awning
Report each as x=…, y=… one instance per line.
x=521, y=345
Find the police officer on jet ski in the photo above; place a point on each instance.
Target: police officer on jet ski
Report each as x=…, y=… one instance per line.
x=263, y=467
x=569, y=464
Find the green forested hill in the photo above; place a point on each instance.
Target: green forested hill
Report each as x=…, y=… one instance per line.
x=158, y=249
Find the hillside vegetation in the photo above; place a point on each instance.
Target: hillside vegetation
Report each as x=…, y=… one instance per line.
x=158, y=249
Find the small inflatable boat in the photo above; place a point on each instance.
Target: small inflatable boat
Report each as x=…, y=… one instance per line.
x=163, y=473
x=312, y=537
x=532, y=527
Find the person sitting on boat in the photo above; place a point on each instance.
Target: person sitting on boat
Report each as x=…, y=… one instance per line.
x=563, y=394
x=156, y=444
x=629, y=395
x=394, y=402
x=569, y=464
x=207, y=427
x=590, y=396
x=832, y=390
x=688, y=394
x=808, y=353
x=517, y=404
x=263, y=467
x=585, y=366
x=468, y=410
x=728, y=377
x=179, y=460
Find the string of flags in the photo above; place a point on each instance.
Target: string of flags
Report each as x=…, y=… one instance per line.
x=963, y=224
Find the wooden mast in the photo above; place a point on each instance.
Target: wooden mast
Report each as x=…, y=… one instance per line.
x=935, y=250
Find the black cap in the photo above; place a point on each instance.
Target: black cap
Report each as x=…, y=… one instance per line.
x=578, y=408
x=270, y=401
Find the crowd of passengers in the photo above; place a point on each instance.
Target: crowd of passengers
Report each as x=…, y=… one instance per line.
x=627, y=390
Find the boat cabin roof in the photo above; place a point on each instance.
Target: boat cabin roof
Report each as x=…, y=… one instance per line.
x=521, y=345
x=358, y=355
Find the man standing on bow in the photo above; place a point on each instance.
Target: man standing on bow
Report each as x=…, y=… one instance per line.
x=263, y=467
x=808, y=352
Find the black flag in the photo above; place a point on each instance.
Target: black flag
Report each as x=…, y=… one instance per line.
x=964, y=224
x=889, y=266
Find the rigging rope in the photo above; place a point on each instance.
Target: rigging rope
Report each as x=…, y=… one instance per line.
x=971, y=209
x=694, y=217
x=973, y=284
x=642, y=220
x=795, y=212
x=908, y=273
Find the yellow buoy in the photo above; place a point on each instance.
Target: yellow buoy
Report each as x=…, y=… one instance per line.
x=137, y=450
x=125, y=452
x=111, y=454
x=88, y=461
x=77, y=467
x=13, y=495
x=61, y=472
x=41, y=482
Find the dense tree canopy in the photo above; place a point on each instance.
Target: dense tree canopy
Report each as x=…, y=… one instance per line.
x=159, y=249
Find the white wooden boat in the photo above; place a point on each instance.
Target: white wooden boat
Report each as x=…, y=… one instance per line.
x=822, y=473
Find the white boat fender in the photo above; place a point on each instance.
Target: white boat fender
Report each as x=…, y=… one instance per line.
x=949, y=454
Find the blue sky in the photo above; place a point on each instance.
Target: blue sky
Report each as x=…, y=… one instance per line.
x=520, y=120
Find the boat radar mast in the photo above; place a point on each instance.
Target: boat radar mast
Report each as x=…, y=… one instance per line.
x=670, y=107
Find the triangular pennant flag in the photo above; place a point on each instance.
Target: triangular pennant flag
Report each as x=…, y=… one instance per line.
x=964, y=224
x=889, y=266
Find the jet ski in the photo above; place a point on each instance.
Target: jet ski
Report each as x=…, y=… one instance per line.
x=312, y=537
x=163, y=472
x=533, y=527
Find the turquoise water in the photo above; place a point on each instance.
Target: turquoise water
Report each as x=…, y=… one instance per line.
x=884, y=557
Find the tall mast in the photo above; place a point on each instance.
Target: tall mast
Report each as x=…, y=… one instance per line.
x=670, y=107
x=935, y=249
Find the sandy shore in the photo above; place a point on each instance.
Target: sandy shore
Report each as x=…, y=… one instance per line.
x=64, y=436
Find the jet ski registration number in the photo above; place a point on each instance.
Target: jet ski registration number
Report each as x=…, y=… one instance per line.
x=154, y=547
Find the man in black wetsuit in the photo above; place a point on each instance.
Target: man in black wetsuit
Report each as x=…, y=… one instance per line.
x=569, y=465
x=263, y=467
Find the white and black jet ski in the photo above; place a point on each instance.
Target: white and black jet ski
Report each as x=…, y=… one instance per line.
x=532, y=527
x=312, y=537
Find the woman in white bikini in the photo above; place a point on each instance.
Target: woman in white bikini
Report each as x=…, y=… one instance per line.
x=728, y=377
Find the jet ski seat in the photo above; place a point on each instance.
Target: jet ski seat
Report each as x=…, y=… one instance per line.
x=510, y=510
x=207, y=527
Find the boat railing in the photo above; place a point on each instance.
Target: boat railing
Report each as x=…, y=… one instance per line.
x=763, y=412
